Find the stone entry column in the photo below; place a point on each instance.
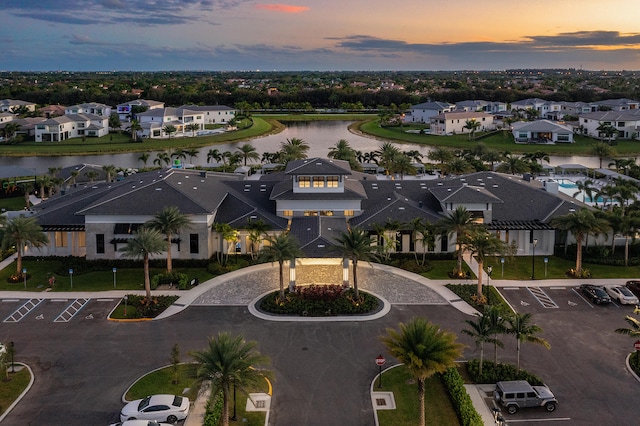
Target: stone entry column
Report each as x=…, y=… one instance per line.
x=345, y=273
x=292, y=275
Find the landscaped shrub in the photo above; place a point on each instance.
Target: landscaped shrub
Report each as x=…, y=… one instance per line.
x=177, y=279
x=460, y=399
x=492, y=373
x=214, y=411
x=467, y=292
x=147, y=309
x=331, y=301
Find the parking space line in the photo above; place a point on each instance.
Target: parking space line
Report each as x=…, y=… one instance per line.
x=547, y=419
x=582, y=297
x=23, y=310
x=542, y=297
x=71, y=310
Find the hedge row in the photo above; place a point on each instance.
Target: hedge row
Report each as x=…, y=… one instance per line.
x=493, y=373
x=460, y=399
x=214, y=411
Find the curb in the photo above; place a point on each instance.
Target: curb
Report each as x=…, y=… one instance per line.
x=24, y=392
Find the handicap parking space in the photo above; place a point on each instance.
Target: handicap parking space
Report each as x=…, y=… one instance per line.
x=56, y=310
x=533, y=299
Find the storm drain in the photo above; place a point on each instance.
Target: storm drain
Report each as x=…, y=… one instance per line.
x=383, y=400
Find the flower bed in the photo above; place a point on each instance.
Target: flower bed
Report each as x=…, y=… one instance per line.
x=319, y=301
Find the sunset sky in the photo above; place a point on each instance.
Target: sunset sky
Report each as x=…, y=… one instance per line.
x=154, y=35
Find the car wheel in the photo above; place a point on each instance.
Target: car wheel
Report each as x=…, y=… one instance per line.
x=173, y=419
x=550, y=406
x=512, y=409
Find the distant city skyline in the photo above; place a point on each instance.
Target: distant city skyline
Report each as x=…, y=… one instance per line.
x=353, y=35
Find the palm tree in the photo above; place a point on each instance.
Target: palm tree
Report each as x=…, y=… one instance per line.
x=580, y=224
x=608, y=131
x=342, y=151
x=481, y=244
x=497, y=319
x=442, y=156
x=294, y=149
x=144, y=157
x=491, y=156
x=634, y=331
x=387, y=154
x=602, y=151
x=110, y=170
x=280, y=248
x=162, y=157
x=179, y=154
x=191, y=152
x=248, y=152
x=513, y=164
x=482, y=332
x=458, y=222
x=193, y=128
x=134, y=128
x=584, y=187
x=169, y=221
x=354, y=245
x=257, y=231
x=424, y=233
x=169, y=129
x=91, y=175
x=215, y=155
x=145, y=242
x=20, y=232
x=230, y=363
x=473, y=125
x=425, y=349
x=520, y=326
x=457, y=166
x=227, y=234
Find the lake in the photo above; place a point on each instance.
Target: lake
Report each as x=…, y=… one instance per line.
x=320, y=135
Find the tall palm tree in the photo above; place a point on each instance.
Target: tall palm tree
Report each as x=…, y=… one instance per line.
x=355, y=245
x=144, y=157
x=497, y=319
x=387, y=154
x=294, y=149
x=91, y=175
x=457, y=166
x=608, y=131
x=491, y=156
x=442, y=156
x=145, y=243
x=602, y=151
x=214, y=154
x=425, y=349
x=134, y=127
x=227, y=234
x=169, y=221
x=403, y=165
x=230, y=363
x=281, y=248
x=191, y=152
x=169, y=129
x=193, y=128
x=580, y=224
x=257, y=231
x=584, y=187
x=520, y=326
x=20, y=232
x=342, y=150
x=110, y=170
x=482, y=332
x=634, y=331
x=513, y=164
x=472, y=125
x=248, y=152
x=458, y=222
x=482, y=244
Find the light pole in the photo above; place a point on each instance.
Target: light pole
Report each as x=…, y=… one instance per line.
x=71, y=278
x=114, y=278
x=533, y=259
x=12, y=350
x=125, y=304
x=24, y=277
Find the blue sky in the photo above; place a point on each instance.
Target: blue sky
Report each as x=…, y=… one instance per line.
x=154, y=35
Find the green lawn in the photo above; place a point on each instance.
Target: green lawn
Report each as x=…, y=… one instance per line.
x=12, y=204
x=120, y=142
x=11, y=390
x=126, y=278
x=501, y=141
x=438, y=408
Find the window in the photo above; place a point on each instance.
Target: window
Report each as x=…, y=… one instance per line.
x=288, y=213
x=100, y=243
x=332, y=181
x=318, y=182
x=82, y=242
x=61, y=239
x=304, y=182
x=563, y=138
x=194, y=246
x=348, y=212
x=326, y=213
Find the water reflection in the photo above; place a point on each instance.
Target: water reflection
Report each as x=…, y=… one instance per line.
x=320, y=135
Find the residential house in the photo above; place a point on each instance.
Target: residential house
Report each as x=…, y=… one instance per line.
x=126, y=110
x=622, y=104
x=541, y=131
x=627, y=123
x=213, y=114
x=6, y=117
x=480, y=105
x=10, y=105
x=543, y=109
x=89, y=108
x=422, y=113
x=450, y=123
x=72, y=126
x=51, y=111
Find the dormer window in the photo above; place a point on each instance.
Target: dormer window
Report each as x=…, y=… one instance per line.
x=332, y=181
x=304, y=182
x=318, y=182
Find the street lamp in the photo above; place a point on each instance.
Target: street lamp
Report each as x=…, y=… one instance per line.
x=114, y=278
x=71, y=278
x=125, y=304
x=12, y=350
x=24, y=277
x=533, y=259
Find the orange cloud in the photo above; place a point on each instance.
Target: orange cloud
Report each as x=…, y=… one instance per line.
x=285, y=8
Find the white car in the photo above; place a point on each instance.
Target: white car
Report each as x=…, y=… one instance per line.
x=622, y=295
x=140, y=423
x=163, y=408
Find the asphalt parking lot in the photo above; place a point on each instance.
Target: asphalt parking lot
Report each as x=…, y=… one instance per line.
x=58, y=310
